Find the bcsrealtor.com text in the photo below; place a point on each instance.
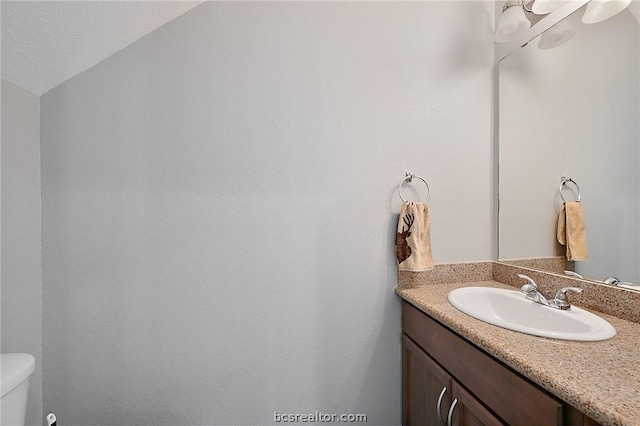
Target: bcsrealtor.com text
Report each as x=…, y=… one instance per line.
x=319, y=417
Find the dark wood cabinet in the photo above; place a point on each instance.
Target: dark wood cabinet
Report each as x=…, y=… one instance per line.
x=466, y=410
x=433, y=397
x=427, y=387
x=449, y=381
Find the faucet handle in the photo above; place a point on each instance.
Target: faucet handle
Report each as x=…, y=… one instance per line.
x=530, y=287
x=561, y=300
x=573, y=274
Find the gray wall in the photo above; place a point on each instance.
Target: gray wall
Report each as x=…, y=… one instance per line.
x=21, y=259
x=219, y=207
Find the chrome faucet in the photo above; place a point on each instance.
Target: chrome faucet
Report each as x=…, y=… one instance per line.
x=559, y=302
x=531, y=291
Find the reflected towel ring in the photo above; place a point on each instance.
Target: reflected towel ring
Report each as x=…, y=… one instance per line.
x=563, y=181
x=408, y=178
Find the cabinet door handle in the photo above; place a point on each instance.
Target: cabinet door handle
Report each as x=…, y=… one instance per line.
x=439, y=404
x=450, y=416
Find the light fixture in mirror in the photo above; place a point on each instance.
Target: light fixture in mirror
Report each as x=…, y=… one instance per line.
x=542, y=7
x=600, y=10
x=556, y=36
x=573, y=111
x=512, y=23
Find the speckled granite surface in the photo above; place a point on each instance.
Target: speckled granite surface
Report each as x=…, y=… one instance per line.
x=555, y=264
x=601, y=379
x=447, y=273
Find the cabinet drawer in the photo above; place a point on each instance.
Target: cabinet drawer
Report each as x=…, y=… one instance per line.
x=510, y=396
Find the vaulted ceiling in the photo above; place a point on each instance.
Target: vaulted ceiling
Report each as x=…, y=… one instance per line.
x=45, y=43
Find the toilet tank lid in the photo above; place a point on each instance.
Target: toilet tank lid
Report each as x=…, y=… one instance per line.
x=15, y=368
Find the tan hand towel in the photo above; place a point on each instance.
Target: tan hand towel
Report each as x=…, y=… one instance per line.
x=575, y=232
x=413, y=240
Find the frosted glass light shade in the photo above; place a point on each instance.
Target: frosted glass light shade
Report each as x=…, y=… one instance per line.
x=542, y=7
x=557, y=35
x=511, y=24
x=599, y=10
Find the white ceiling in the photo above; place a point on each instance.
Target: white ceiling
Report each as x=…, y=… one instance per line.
x=47, y=42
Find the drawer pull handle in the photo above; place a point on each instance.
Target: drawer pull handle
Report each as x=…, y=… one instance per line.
x=439, y=405
x=450, y=416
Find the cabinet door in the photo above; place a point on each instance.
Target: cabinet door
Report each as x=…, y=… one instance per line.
x=426, y=387
x=512, y=398
x=465, y=410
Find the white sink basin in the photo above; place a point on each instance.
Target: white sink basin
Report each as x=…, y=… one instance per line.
x=510, y=309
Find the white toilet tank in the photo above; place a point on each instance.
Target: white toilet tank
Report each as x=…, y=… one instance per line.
x=16, y=369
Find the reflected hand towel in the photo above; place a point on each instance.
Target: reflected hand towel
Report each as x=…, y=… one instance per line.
x=572, y=231
x=413, y=239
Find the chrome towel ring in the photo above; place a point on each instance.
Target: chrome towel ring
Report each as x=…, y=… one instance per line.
x=563, y=182
x=409, y=178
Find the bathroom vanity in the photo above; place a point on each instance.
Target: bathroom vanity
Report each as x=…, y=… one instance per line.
x=440, y=367
x=458, y=370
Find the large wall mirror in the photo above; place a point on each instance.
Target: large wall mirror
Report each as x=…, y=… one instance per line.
x=569, y=106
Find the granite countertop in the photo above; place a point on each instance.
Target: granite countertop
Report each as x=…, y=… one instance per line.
x=601, y=379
